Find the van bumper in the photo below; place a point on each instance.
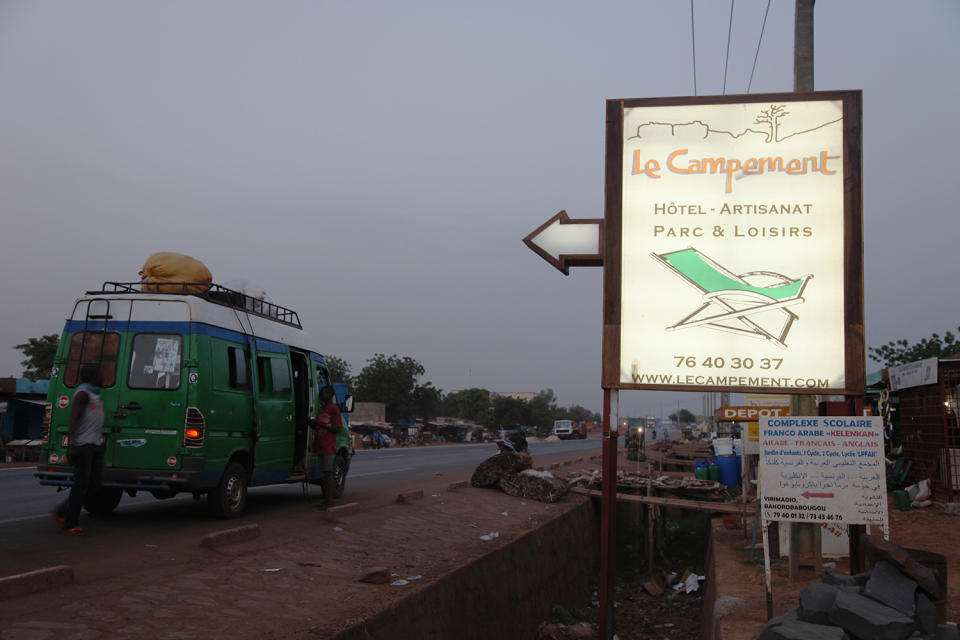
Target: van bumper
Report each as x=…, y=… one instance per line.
x=187, y=478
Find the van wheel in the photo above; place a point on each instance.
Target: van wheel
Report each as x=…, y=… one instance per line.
x=103, y=501
x=339, y=475
x=230, y=497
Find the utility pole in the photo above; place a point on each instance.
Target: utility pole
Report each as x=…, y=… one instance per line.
x=803, y=46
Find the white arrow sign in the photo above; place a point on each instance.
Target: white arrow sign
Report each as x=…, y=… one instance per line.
x=566, y=243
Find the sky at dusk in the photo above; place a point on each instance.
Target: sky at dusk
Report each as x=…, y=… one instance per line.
x=375, y=166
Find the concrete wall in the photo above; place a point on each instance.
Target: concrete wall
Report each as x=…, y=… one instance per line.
x=551, y=564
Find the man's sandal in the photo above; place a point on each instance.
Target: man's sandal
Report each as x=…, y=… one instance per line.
x=75, y=531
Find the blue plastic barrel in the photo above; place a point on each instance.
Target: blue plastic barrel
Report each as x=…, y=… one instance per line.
x=728, y=470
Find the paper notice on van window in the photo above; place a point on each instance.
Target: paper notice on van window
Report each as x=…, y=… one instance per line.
x=166, y=355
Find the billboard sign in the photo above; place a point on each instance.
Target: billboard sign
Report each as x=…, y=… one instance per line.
x=733, y=257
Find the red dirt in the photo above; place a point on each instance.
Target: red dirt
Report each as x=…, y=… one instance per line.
x=288, y=583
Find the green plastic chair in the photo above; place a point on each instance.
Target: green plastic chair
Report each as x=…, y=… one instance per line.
x=730, y=300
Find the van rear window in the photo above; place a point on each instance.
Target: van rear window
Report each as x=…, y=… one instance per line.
x=155, y=361
x=92, y=347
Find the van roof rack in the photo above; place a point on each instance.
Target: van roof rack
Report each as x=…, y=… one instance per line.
x=214, y=293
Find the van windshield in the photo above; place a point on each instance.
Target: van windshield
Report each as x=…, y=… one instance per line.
x=155, y=361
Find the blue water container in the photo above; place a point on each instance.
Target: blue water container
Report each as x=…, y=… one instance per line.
x=728, y=470
x=739, y=470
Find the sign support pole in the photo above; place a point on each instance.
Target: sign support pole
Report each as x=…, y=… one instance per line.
x=766, y=566
x=608, y=512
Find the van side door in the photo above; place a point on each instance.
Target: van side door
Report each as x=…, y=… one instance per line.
x=276, y=410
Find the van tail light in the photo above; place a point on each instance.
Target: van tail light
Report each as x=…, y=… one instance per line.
x=45, y=425
x=193, y=428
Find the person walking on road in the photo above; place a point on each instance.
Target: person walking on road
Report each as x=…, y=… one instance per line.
x=85, y=452
x=327, y=423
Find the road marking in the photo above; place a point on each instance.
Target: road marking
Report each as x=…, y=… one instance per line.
x=31, y=469
x=377, y=473
x=23, y=518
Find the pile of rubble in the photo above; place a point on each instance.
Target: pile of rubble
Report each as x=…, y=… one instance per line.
x=513, y=473
x=630, y=481
x=898, y=599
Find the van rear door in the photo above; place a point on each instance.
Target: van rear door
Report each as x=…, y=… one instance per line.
x=148, y=423
x=93, y=335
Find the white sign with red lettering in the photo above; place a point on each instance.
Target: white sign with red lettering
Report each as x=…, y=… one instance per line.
x=823, y=469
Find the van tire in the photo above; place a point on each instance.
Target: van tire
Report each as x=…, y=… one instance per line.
x=229, y=499
x=339, y=475
x=103, y=500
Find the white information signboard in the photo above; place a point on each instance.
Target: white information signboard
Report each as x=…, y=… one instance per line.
x=823, y=469
x=913, y=374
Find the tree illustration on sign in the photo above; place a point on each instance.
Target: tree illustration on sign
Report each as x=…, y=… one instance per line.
x=771, y=117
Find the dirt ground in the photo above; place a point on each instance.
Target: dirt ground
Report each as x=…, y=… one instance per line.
x=300, y=577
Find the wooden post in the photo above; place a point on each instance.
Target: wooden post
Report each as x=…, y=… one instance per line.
x=803, y=46
x=608, y=514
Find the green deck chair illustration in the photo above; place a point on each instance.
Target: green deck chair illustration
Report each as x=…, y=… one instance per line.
x=731, y=302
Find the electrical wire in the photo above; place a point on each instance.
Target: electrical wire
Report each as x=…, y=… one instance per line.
x=757, y=54
x=727, y=62
x=693, y=42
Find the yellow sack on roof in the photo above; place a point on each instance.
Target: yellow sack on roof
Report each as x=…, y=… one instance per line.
x=165, y=266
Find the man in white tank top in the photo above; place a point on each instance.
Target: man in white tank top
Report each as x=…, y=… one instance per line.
x=85, y=440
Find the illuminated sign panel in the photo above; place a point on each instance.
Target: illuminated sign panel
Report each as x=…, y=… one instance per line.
x=734, y=244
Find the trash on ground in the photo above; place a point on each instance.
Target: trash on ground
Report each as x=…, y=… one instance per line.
x=398, y=583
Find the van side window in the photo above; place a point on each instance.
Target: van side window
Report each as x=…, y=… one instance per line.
x=280, y=377
x=322, y=378
x=92, y=347
x=239, y=376
x=155, y=361
x=273, y=376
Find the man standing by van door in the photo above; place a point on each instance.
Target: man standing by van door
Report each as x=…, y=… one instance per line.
x=85, y=439
x=327, y=423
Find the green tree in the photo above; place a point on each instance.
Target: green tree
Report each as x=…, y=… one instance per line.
x=391, y=381
x=543, y=411
x=578, y=414
x=474, y=405
x=448, y=406
x=683, y=416
x=339, y=369
x=426, y=401
x=507, y=412
x=39, y=353
x=901, y=351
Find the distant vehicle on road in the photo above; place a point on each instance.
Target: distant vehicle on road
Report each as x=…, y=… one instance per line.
x=206, y=391
x=568, y=429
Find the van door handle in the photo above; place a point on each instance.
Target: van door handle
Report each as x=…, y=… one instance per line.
x=119, y=415
x=133, y=406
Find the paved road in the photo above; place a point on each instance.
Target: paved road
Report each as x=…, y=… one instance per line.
x=28, y=539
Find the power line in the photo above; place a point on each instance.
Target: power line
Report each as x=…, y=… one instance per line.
x=757, y=54
x=727, y=62
x=693, y=42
